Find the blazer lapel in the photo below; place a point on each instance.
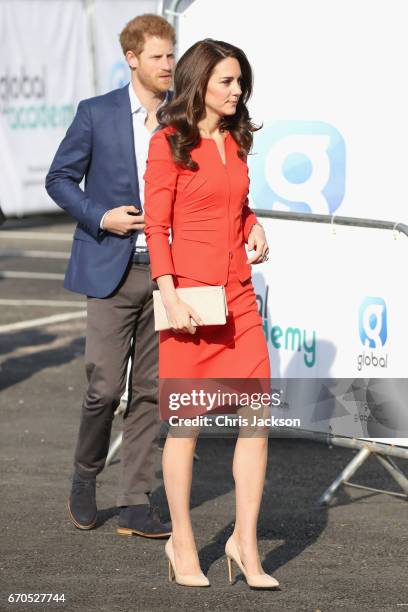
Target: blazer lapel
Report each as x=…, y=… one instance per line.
x=125, y=134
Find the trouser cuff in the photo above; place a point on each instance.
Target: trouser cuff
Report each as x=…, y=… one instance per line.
x=133, y=500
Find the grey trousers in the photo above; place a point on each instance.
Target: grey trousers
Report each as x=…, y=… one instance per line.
x=111, y=324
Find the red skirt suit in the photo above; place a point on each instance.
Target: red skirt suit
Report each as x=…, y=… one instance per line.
x=208, y=214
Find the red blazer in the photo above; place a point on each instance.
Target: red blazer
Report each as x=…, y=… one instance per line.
x=207, y=211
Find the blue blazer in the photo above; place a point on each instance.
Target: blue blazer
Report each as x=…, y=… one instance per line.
x=98, y=146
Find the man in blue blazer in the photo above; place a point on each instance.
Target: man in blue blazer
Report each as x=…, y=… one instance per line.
x=107, y=144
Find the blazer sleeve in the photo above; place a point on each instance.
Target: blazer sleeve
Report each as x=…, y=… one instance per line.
x=67, y=170
x=249, y=219
x=160, y=192
x=248, y=216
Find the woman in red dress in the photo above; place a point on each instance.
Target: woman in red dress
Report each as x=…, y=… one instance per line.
x=196, y=185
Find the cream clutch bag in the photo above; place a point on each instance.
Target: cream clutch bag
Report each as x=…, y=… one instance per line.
x=209, y=303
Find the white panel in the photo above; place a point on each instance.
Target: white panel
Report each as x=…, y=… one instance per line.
x=333, y=305
x=335, y=287
x=44, y=72
x=327, y=69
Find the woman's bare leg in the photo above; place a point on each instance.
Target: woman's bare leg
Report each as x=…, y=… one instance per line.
x=178, y=456
x=249, y=467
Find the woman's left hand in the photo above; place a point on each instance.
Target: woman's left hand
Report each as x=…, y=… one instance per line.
x=257, y=242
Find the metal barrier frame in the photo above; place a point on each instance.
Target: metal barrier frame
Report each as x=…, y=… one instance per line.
x=332, y=220
x=383, y=452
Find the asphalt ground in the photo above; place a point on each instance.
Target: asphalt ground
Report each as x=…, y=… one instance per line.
x=349, y=556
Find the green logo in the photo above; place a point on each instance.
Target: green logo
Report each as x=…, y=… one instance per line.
x=23, y=102
x=289, y=338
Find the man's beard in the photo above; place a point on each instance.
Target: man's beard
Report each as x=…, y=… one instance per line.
x=154, y=84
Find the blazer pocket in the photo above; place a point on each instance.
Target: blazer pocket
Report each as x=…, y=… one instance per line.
x=81, y=234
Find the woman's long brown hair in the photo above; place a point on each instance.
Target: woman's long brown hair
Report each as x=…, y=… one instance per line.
x=187, y=107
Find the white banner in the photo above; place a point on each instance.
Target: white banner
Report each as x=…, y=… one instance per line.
x=108, y=20
x=331, y=301
x=334, y=308
x=331, y=93
x=11, y=188
x=44, y=72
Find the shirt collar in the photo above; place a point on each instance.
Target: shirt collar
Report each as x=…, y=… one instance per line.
x=136, y=105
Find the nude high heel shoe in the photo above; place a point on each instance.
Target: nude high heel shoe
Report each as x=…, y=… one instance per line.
x=191, y=580
x=257, y=581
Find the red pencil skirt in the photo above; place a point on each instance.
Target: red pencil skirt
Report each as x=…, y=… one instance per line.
x=237, y=349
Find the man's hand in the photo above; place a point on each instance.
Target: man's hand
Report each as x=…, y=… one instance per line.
x=119, y=221
x=257, y=242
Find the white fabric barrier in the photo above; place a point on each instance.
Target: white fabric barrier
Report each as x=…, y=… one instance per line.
x=11, y=197
x=44, y=72
x=332, y=305
x=331, y=96
x=54, y=54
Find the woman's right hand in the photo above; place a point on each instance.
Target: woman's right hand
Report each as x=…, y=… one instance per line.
x=179, y=315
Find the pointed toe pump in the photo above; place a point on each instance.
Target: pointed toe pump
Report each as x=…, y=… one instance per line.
x=191, y=580
x=256, y=581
